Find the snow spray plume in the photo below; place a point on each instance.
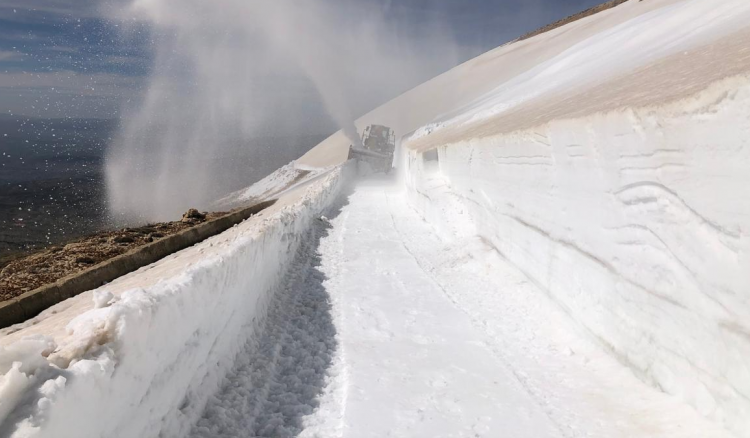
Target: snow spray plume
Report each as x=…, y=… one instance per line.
x=228, y=73
x=353, y=135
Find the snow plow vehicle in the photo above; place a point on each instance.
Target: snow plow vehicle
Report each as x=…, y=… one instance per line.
x=377, y=149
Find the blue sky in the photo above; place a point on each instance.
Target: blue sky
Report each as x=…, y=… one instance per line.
x=62, y=58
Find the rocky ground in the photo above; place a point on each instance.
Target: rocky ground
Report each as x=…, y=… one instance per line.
x=20, y=273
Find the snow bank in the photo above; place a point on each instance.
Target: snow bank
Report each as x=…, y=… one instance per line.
x=144, y=362
x=624, y=47
x=580, y=55
x=635, y=222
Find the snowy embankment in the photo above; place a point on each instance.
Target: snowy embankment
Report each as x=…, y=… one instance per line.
x=627, y=203
x=635, y=223
x=147, y=351
x=596, y=176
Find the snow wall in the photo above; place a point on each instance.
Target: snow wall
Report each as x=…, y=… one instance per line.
x=635, y=222
x=145, y=364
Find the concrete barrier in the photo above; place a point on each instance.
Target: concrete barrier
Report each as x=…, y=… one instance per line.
x=32, y=303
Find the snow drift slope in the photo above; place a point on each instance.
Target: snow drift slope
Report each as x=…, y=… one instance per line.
x=634, y=219
x=578, y=56
x=606, y=161
x=615, y=177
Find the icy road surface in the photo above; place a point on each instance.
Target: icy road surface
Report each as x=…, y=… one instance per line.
x=387, y=328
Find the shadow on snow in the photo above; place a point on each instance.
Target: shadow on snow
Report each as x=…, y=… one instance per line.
x=280, y=374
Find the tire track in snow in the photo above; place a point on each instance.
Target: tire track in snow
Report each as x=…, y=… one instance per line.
x=415, y=365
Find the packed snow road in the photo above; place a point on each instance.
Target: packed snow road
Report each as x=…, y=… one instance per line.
x=387, y=327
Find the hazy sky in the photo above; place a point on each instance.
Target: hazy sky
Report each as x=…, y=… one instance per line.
x=62, y=58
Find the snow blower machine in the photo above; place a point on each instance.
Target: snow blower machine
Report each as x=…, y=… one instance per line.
x=377, y=149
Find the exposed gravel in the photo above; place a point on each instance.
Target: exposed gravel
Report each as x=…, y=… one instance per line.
x=27, y=273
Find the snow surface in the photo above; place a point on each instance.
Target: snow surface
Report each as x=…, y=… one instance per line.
x=442, y=336
x=385, y=326
x=572, y=262
x=627, y=46
x=635, y=223
x=279, y=374
x=145, y=361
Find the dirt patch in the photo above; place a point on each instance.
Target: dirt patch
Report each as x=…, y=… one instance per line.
x=23, y=273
